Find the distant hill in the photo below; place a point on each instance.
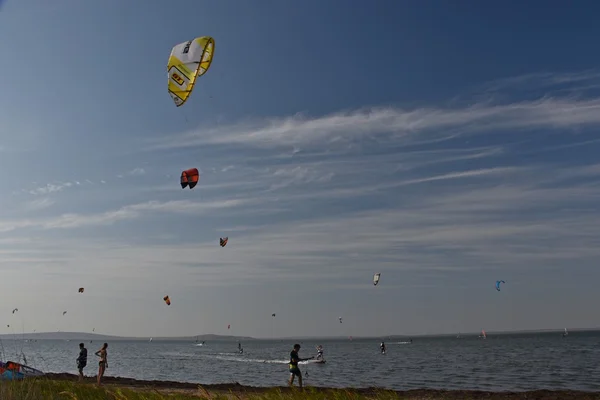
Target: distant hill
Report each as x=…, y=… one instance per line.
x=75, y=336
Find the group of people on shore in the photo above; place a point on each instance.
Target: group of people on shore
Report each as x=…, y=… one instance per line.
x=102, y=364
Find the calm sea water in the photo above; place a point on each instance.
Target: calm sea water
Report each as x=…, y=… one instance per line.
x=503, y=362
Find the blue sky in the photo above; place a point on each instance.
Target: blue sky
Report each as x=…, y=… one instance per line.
x=443, y=145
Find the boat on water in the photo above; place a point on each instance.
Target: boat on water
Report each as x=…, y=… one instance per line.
x=11, y=370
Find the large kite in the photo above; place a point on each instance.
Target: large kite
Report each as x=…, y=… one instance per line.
x=188, y=61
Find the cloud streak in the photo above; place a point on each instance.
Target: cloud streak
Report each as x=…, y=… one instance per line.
x=396, y=124
x=50, y=188
x=67, y=221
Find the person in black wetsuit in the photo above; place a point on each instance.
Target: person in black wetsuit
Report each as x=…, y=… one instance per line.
x=382, y=348
x=81, y=360
x=294, y=370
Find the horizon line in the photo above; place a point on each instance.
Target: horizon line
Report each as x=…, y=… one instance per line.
x=189, y=337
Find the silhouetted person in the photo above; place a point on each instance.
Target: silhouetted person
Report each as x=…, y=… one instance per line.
x=81, y=360
x=294, y=370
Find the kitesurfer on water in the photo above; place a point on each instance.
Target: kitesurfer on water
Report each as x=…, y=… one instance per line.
x=382, y=347
x=240, y=349
x=294, y=370
x=319, y=352
x=81, y=360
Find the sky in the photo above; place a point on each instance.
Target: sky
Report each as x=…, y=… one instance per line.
x=445, y=145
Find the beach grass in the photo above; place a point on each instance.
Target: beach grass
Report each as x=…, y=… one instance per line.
x=69, y=389
x=38, y=389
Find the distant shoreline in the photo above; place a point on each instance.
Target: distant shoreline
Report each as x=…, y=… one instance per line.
x=81, y=336
x=431, y=394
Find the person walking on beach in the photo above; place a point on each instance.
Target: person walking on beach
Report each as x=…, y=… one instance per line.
x=294, y=370
x=103, y=364
x=81, y=360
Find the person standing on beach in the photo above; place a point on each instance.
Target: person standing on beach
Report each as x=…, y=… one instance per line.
x=103, y=364
x=294, y=370
x=81, y=360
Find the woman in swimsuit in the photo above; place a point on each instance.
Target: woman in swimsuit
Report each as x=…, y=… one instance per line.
x=103, y=364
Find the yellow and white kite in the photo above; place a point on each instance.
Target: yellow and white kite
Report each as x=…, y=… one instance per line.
x=188, y=61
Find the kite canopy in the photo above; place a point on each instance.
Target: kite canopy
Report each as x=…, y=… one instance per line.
x=340, y=320
x=81, y=290
x=167, y=300
x=223, y=241
x=376, y=278
x=190, y=177
x=498, y=285
x=64, y=312
x=272, y=315
x=15, y=310
x=188, y=61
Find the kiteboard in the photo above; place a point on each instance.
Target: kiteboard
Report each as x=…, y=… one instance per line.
x=319, y=362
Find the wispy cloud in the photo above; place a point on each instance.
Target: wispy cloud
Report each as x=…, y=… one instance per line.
x=298, y=175
x=137, y=171
x=129, y=212
x=387, y=123
x=50, y=188
x=589, y=78
x=39, y=204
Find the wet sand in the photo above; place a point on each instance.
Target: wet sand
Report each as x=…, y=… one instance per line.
x=419, y=394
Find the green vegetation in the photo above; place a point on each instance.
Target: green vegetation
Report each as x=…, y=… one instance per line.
x=64, y=390
x=60, y=389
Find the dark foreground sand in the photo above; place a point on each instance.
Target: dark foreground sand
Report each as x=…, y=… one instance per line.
x=420, y=394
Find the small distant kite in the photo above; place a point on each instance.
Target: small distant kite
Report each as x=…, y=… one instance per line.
x=340, y=320
x=190, y=178
x=376, y=278
x=81, y=290
x=8, y=326
x=64, y=312
x=228, y=326
x=272, y=315
x=498, y=285
x=167, y=300
x=223, y=241
x=15, y=310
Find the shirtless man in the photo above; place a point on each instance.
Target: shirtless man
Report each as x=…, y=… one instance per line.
x=294, y=370
x=103, y=364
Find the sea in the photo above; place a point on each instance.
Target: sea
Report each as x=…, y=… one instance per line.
x=503, y=362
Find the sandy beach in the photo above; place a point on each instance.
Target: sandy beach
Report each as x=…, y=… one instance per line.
x=238, y=391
